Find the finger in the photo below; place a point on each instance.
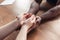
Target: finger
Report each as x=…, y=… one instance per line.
x=28, y=15
x=30, y=20
x=33, y=16
x=38, y=19
x=33, y=19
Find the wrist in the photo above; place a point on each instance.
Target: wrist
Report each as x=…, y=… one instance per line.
x=25, y=26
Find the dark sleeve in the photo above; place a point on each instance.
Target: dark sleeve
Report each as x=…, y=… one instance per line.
x=38, y=1
x=52, y=2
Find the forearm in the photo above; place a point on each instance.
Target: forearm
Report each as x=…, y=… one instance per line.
x=8, y=28
x=34, y=7
x=23, y=33
x=51, y=13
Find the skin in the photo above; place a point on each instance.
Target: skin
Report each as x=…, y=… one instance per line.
x=8, y=28
x=22, y=33
x=24, y=30
x=12, y=26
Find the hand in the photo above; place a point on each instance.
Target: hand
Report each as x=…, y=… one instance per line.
x=38, y=19
x=27, y=16
x=36, y=24
x=24, y=17
x=30, y=21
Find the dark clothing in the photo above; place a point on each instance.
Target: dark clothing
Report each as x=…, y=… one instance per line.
x=38, y=1
x=52, y=2
x=58, y=2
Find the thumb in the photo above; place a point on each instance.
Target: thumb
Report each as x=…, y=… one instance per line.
x=38, y=19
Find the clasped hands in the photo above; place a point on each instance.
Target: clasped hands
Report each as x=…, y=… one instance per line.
x=30, y=20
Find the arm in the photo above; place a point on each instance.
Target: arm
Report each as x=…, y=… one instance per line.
x=8, y=28
x=23, y=33
x=51, y=13
x=35, y=7
x=25, y=28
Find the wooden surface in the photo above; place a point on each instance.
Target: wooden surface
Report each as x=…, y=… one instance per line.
x=1, y=1
x=5, y=16
x=47, y=31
